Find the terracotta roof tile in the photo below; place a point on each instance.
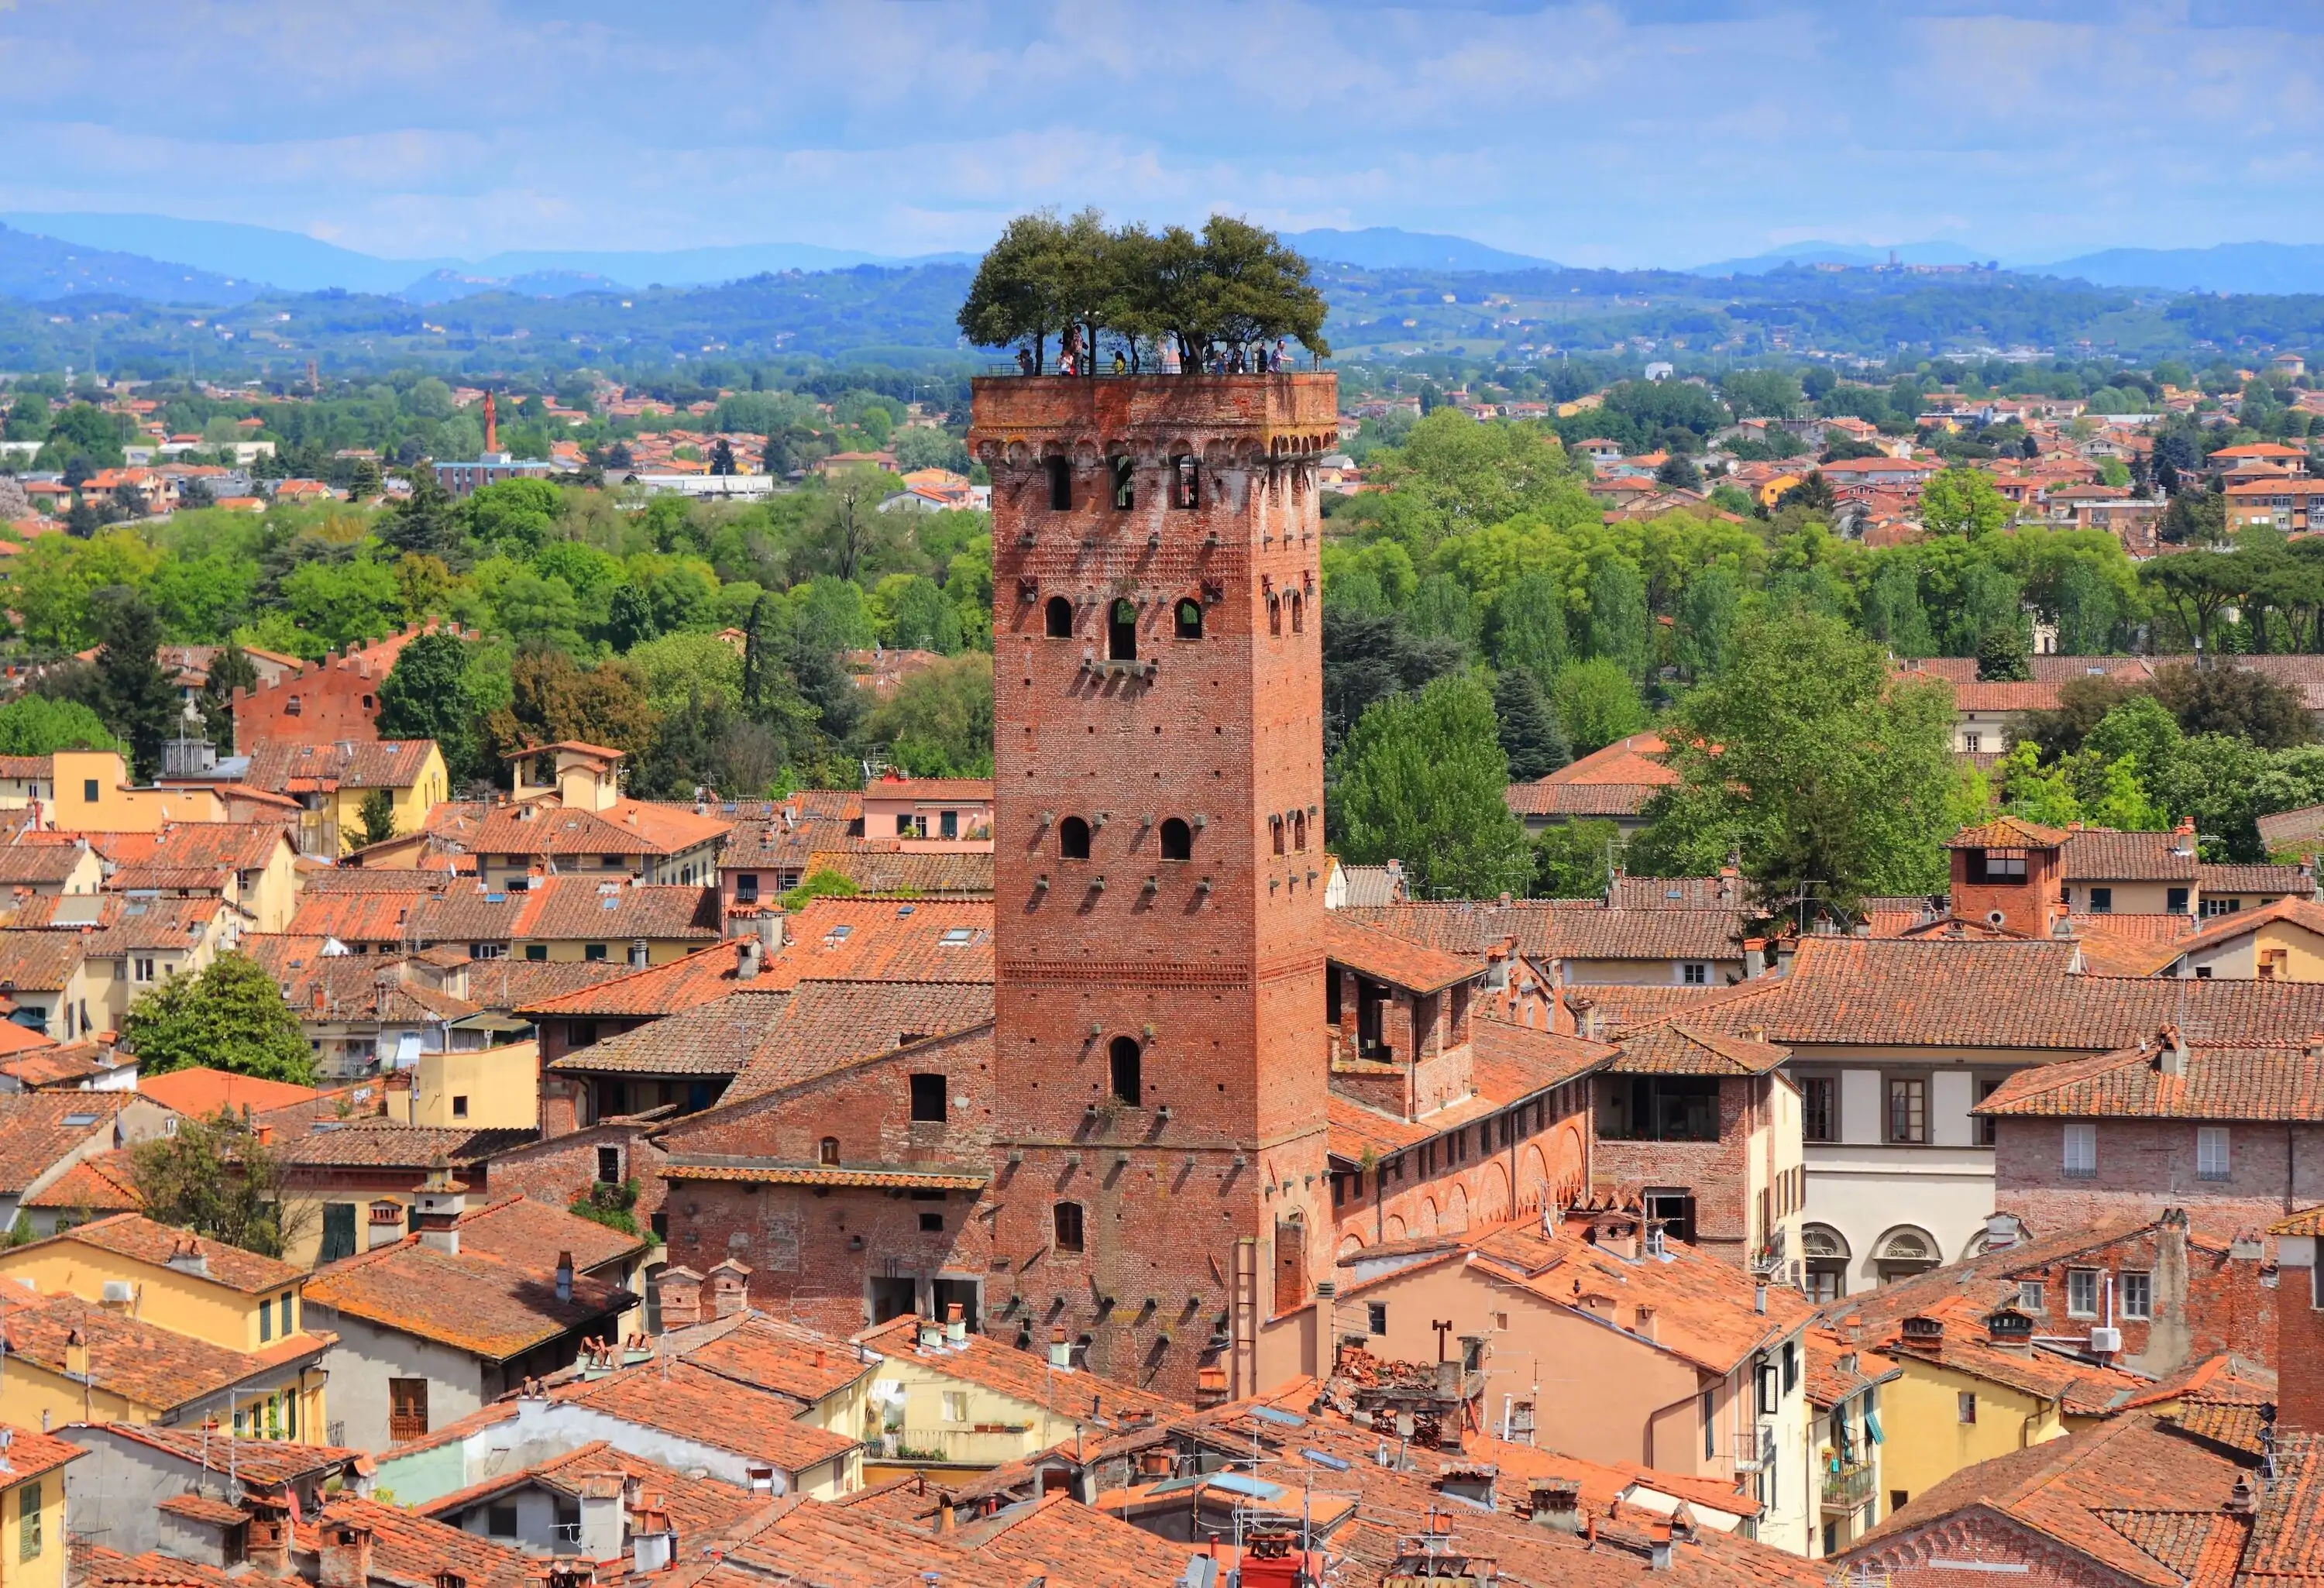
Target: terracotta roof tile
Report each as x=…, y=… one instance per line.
x=140, y=1362
x=527, y=1233
x=700, y=977
x=682, y=1398
x=39, y=962
x=96, y=1184
x=562, y=908
x=98, y=1567
x=271, y=1462
x=375, y=1143
x=696, y=1504
x=1508, y=1061
x=489, y=1305
x=827, y=1024
x=630, y=826
x=2095, y=855
x=711, y=1039
x=1386, y=957
x=142, y=1239
x=2273, y=1083
x=282, y=766
x=33, y=863
x=2257, y=879
x=1677, y=1049
x=38, y=1129
x=885, y=940
x=907, y=873
x=199, y=1092
x=1022, y=1375
x=408, y=1547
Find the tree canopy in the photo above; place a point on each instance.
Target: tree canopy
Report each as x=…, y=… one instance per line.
x=230, y=1016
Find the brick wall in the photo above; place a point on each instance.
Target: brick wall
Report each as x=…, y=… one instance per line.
x=563, y=1167
x=2146, y=1165
x=2299, y=1358
x=1541, y=1148
x=1994, y=1543
x=2223, y=1302
x=1717, y=1174
x=1212, y=965
x=815, y=1250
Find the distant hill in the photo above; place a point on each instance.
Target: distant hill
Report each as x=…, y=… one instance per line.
x=299, y=264
x=1760, y=264
x=37, y=269
x=1391, y=248
x=2229, y=267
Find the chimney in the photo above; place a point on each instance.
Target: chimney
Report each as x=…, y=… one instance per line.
x=944, y=1515
x=436, y=1208
x=2010, y=1328
x=1755, y=958
x=187, y=1257
x=2000, y=1231
x=564, y=1294
x=1922, y=1333
x=771, y=929
x=681, y=1298
x=2171, y=1054
x=653, y=1541
x=2168, y=1340
x=76, y=1355
x=730, y=1288
x=346, y=1556
x=746, y=962
x=1061, y=1354
x=955, y=1328
x=1658, y=1537
x=1555, y=1502
x=930, y=1333
x=601, y=1517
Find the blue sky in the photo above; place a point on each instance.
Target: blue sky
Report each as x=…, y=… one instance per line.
x=1658, y=132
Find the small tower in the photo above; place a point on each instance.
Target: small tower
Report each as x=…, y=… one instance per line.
x=492, y=428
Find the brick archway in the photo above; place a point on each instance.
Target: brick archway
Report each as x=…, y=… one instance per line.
x=1493, y=1194
x=1456, y=1210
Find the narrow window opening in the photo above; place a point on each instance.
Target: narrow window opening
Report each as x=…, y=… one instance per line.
x=1185, y=482
x=1125, y=493
x=1066, y=1218
x=1190, y=619
x=1061, y=618
x=1177, y=840
x=1124, y=1058
x=1061, y=484
x=1298, y=613
x=1073, y=838
x=826, y=1151
x=1121, y=632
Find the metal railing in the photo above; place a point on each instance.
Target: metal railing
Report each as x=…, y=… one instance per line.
x=1848, y=1490
x=1755, y=1450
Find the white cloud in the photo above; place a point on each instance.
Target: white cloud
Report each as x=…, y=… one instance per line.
x=1596, y=133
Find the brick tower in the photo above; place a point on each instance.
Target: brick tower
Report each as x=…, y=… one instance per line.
x=1159, y=1187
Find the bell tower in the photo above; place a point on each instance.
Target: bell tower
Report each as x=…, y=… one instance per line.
x=1159, y=1187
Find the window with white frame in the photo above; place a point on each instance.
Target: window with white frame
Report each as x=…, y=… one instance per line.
x=2082, y=1293
x=2029, y=1296
x=2137, y=1293
x=1694, y=975
x=2211, y=1152
x=2081, y=1150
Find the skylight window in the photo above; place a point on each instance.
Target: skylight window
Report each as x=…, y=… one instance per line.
x=956, y=937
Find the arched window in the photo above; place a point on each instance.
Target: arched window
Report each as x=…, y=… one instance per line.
x=1275, y=832
x=1298, y=613
x=1121, y=632
x=1299, y=831
x=1275, y=615
x=1060, y=618
x=1123, y=1060
x=1073, y=838
x=1066, y=1219
x=1125, y=492
x=1905, y=1251
x=828, y=1151
x=1185, y=482
x=1190, y=619
x=1061, y=484
x=1177, y=840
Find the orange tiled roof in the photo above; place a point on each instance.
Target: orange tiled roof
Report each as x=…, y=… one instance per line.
x=135, y=1236
x=2272, y=1083
x=825, y=1025
x=1386, y=957
x=472, y=1300
x=703, y=976
x=98, y=1184
x=408, y=1547
x=1677, y=1049
x=699, y=1404
x=140, y=1362
x=1022, y=1375
x=199, y=1092
x=714, y=1039
x=40, y=1129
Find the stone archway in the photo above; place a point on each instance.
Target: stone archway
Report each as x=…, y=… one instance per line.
x=1493, y=1194
x=1428, y=1225
x=1533, y=1179
x=1351, y=1243
x=1394, y=1227
x=1456, y=1210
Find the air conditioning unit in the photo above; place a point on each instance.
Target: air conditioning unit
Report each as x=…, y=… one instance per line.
x=118, y=1293
x=2105, y=1342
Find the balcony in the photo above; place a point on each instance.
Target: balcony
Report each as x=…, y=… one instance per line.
x=1755, y=1450
x=1846, y=1491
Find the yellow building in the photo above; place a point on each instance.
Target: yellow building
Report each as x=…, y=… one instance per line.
x=251, y=865
x=943, y=1394
x=2279, y=942
x=94, y=795
x=1973, y=1386
x=32, y=1507
x=483, y=1088
x=334, y=780
x=125, y=1319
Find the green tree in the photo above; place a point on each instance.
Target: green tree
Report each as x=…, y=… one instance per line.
x=134, y=692
x=1893, y=613
x=1422, y=779
x=2087, y=612
x=2002, y=656
x=423, y=522
x=344, y=601
x=1440, y=609
x=2236, y=701
x=820, y=885
x=374, y=819
x=939, y=721
x=551, y=697
x=229, y=1017
x=1707, y=615
x=1620, y=630
x=1575, y=860
x=1597, y=703
x=1529, y=627
x=35, y=725
x=1811, y=761
x=2195, y=518
x=425, y=696
x=215, y=1178
x=1528, y=728
x=1963, y=500
x=1679, y=472
x=1368, y=657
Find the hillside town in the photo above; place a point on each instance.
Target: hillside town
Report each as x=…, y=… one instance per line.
x=1170, y=962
